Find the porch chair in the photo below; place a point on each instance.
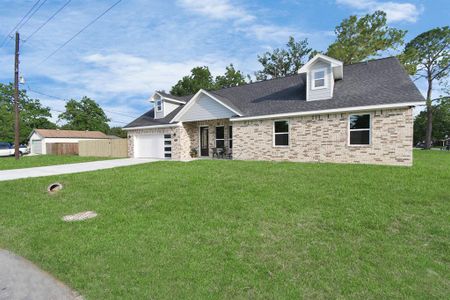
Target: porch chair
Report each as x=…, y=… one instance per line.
x=229, y=153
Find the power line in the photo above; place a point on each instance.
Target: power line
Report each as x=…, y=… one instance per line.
x=79, y=32
x=48, y=20
x=18, y=24
x=31, y=15
x=114, y=121
x=60, y=98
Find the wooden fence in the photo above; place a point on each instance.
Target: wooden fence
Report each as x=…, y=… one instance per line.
x=62, y=148
x=104, y=148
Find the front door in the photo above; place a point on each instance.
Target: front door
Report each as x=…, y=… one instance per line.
x=204, y=142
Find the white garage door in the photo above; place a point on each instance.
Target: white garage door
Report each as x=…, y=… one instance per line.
x=151, y=146
x=36, y=146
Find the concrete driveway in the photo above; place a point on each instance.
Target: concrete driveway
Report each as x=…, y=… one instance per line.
x=71, y=168
x=20, y=279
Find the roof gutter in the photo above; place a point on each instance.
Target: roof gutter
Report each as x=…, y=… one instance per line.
x=152, y=126
x=329, y=111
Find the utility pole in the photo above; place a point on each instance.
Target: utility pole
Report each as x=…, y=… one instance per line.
x=16, y=98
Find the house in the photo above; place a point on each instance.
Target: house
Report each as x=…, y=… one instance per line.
x=328, y=112
x=39, y=139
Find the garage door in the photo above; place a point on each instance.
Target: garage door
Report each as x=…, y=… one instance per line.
x=36, y=146
x=153, y=146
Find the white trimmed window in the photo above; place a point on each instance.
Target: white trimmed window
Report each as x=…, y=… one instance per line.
x=281, y=133
x=359, y=129
x=158, y=105
x=319, y=79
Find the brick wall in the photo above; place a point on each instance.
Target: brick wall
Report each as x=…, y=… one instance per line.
x=324, y=138
x=194, y=134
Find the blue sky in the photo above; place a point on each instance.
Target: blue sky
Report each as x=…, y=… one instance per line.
x=141, y=46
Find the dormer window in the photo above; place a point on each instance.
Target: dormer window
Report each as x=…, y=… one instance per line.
x=158, y=105
x=319, y=81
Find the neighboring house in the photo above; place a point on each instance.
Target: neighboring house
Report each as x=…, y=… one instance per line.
x=40, y=138
x=328, y=112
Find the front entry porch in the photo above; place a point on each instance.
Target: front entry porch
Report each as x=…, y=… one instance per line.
x=210, y=139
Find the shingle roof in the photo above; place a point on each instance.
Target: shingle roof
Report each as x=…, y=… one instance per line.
x=180, y=98
x=56, y=133
x=148, y=119
x=377, y=82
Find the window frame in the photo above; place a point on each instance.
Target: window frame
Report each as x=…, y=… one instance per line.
x=216, y=139
x=167, y=145
x=160, y=106
x=349, y=130
x=275, y=133
x=325, y=83
x=230, y=136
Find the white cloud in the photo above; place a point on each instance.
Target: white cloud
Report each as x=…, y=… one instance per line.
x=217, y=9
x=269, y=32
x=395, y=11
x=124, y=73
x=243, y=21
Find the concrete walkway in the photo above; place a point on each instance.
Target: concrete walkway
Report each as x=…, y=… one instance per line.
x=71, y=168
x=20, y=279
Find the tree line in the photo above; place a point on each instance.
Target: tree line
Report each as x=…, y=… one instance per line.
x=357, y=39
x=83, y=114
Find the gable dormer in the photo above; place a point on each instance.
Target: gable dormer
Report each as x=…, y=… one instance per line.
x=321, y=73
x=163, y=105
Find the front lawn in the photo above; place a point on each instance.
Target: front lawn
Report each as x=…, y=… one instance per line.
x=8, y=163
x=233, y=229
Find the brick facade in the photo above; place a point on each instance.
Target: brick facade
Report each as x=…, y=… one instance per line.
x=324, y=138
x=193, y=129
x=184, y=137
x=318, y=138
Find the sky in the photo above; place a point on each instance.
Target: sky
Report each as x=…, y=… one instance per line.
x=141, y=46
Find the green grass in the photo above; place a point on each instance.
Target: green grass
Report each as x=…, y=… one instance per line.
x=8, y=163
x=233, y=229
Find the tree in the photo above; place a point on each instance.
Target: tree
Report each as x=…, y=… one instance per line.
x=85, y=114
x=117, y=131
x=232, y=77
x=201, y=78
x=282, y=62
x=441, y=121
x=32, y=114
x=428, y=56
x=359, y=39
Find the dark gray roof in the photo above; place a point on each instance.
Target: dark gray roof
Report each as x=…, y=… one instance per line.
x=377, y=82
x=148, y=119
x=382, y=81
x=182, y=98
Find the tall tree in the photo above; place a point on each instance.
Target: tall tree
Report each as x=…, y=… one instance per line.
x=360, y=38
x=282, y=62
x=428, y=56
x=85, y=114
x=32, y=114
x=232, y=77
x=441, y=121
x=201, y=78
